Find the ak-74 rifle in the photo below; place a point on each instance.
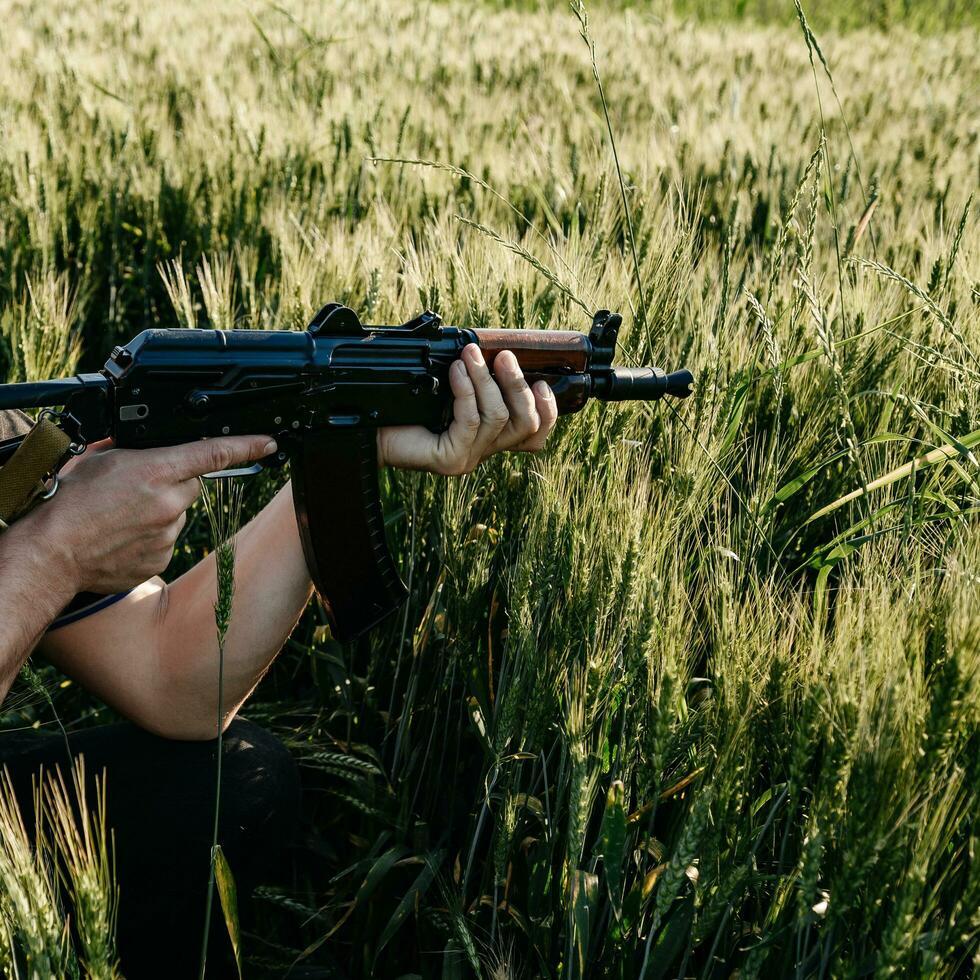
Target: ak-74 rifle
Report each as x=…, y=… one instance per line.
x=321, y=393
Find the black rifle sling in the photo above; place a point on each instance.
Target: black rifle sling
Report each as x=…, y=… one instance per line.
x=338, y=508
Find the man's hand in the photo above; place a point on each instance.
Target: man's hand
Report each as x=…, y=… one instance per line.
x=118, y=512
x=488, y=416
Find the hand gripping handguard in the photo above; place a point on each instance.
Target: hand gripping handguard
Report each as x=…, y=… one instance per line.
x=322, y=393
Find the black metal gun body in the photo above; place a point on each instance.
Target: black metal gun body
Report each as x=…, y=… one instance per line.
x=321, y=393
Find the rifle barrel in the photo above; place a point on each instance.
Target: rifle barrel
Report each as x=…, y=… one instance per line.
x=645, y=383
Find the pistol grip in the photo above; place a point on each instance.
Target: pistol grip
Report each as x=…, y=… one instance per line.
x=341, y=524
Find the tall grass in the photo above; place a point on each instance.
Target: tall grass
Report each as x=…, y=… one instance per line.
x=223, y=506
x=696, y=690
x=67, y=856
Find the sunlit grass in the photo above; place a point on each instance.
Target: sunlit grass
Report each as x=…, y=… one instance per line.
x=697, y=689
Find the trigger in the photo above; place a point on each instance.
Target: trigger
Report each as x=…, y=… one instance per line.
x=240, y=471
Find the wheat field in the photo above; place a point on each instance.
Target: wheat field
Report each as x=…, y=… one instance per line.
x=695, y=692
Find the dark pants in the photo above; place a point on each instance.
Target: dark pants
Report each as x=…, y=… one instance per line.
x=160, y=806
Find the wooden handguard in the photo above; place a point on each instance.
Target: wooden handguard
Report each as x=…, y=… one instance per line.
x=546, y=351
x=560, y=357
x=338, y=508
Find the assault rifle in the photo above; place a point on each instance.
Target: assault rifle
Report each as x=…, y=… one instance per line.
x=322, y=393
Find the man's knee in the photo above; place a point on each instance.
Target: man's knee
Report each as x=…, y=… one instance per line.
x=260, y=784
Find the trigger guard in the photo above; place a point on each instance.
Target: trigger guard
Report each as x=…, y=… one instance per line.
x=237, y=471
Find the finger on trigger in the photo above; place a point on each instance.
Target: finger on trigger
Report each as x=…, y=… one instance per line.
x=210, y=455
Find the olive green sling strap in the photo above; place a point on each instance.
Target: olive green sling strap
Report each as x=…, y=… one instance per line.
x=23, y=480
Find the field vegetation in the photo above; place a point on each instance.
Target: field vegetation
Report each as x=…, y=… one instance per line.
x=696, y=691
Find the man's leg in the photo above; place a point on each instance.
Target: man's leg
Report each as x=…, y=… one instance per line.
x=160, y=807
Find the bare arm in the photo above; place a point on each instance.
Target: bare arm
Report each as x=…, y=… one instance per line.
x=28, y=607
x=153, y=656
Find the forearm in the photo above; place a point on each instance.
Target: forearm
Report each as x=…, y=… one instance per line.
x=272, y=588
x=33, y=590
